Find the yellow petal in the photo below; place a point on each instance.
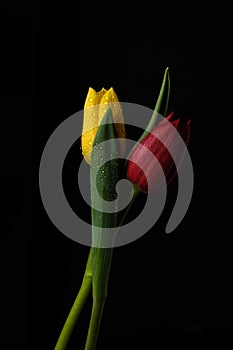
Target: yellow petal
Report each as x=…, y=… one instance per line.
x=110, y=99
x=107, y=101
x=93, y=97
x=90, y=121
x=87, y=143
x=100, y=94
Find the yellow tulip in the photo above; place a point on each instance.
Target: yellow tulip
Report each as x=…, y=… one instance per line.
x=95, y=106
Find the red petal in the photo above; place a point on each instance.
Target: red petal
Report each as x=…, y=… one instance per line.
x=170, y=116
x=185, y=132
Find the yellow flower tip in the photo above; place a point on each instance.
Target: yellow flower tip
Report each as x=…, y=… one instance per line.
x=94, y=97
x=113, y=94
x=100, y=94
x=90, y=99
x=95, y=107
x=109, y=96
x=108, y=100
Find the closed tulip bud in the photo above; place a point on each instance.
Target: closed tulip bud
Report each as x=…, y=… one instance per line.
x=162, y=137
x=95, y=107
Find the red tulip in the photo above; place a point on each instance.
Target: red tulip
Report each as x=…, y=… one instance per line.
x=167, y=149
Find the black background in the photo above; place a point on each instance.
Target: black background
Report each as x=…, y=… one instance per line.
x=165, y=291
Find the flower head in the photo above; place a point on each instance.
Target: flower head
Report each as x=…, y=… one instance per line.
x=163, y=136
x=95, y=107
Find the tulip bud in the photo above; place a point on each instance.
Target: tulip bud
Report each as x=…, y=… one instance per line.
x=139, y=158
x=95, y=107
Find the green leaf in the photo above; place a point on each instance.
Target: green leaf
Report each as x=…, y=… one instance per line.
x=163, y=99
x=160, y=109
x=161, y=104
x=103, y=178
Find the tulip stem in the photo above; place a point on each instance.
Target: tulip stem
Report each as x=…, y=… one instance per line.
x=94, y=326
x=136, y=192
x=98, y=302
x=77, y=307
x=103, y=257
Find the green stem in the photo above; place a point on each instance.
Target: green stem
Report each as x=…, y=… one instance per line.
x=136, y=192
x=103, y=258
x=94, y=326
x=77, y=307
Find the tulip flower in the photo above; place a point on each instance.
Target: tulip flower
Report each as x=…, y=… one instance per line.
x=139, y=158
x=95, y=107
